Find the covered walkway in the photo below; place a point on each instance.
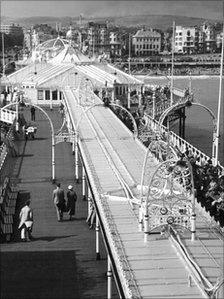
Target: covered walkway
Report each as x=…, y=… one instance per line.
x=60, y=262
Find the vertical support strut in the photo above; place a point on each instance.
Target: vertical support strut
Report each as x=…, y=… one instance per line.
x=53, y=158
x=193, y=226
x=97, y=238
x=76, y=160
x=83, y=183
x=89, y=201
x=109, y=278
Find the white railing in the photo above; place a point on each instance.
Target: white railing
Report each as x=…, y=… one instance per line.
x=178, y=142
x=3, y=154
x=7, y=115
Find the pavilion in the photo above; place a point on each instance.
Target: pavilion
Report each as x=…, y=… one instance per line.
x=56, y=64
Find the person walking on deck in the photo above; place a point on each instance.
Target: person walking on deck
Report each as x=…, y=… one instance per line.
x=26, y=222
x=59, y=201
x=71, y=201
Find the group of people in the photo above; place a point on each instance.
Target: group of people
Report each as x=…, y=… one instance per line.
x=61, y=204
x=209, y=184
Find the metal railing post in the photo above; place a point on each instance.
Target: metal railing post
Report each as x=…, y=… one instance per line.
x=109, y=278
x=83, y=183
x=97, y=238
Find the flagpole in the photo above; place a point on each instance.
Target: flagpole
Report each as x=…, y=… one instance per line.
x=173, y=44
x=219, y=104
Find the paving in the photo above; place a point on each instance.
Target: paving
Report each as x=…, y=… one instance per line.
x=61, y=261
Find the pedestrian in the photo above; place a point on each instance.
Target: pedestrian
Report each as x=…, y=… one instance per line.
x=32, y=111
x=26, y=222
x=59, y=201
x=71, y=201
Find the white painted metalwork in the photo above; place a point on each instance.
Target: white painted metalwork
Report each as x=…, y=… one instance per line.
x=170, y=198
x=130, y=116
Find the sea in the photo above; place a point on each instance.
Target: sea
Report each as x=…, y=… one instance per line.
x=199, y=125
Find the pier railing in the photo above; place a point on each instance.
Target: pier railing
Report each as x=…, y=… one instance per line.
x=178, y=142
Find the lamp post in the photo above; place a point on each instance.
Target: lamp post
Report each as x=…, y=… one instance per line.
x=52, y=136
x=219, y=104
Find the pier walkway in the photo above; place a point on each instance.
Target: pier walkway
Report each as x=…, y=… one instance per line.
x=60, y=262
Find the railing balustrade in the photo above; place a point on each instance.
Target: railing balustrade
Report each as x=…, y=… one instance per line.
x=178, y=142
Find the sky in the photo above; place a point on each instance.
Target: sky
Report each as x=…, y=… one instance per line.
x=202, y=9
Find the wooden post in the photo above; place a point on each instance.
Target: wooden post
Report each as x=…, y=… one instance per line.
x=97, y=238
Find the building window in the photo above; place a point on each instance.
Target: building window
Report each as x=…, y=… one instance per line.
x=54, y=95
x=47, y=95
x=40, y=95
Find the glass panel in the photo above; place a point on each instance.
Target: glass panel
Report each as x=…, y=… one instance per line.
x=40, y=95
x=47, y=95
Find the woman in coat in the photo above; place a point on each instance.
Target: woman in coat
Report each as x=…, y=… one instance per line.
x=71, y=201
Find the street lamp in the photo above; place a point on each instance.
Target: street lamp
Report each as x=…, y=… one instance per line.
x=52, y=134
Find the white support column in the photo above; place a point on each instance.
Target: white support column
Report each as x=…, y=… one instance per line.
x=97, y=238
x=58, y=95
x=17, y=114
x=53, y=157
x=193, y=227
x=44, y=97
x=89, y=201
x=76, y=160
x=154, y=104
x=51, y=103
x=140, y=220
x=129, y=97
x=83, y=184
x=109, y=278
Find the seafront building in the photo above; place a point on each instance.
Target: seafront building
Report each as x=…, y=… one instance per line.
x=10, y=28
x=146, y=42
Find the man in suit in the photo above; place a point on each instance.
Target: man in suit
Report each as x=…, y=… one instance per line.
x=26, y=222
x=59, y=201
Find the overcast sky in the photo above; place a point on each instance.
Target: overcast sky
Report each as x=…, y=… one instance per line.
x=204, y=9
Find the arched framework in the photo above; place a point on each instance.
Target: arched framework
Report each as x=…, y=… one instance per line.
x=52, y=132
x=169, y=198
x=214, y=121
x=128, y=115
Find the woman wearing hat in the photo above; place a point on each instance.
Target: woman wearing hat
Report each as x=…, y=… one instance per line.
x=71, y=200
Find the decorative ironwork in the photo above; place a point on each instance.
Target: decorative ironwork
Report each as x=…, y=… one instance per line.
x=87, y=96
x=126, y=115
x=170, y=195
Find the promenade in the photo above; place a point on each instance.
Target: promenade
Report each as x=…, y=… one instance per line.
x=60, y=262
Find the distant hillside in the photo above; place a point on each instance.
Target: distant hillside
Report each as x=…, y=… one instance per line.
x=154, y=21
x=157, y=21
